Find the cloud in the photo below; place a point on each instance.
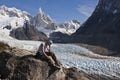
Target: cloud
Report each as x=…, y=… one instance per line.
x=86, y=10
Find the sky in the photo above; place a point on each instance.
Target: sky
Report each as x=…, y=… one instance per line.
x=59, y=10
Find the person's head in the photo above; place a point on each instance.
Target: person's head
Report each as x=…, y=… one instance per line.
x=49, y=42
x=41, y=45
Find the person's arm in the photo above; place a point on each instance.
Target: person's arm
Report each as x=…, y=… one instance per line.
x=43, y=50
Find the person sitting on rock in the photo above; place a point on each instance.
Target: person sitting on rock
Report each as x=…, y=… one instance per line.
x=50, y=53
x=42, y=54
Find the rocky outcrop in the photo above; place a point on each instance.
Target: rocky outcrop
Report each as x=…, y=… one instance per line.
x=28, y=68
x=28, y=32
x=103, y=27
x=7, y=27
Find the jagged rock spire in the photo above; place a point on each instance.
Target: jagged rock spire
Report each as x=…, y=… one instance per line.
x=40, y=11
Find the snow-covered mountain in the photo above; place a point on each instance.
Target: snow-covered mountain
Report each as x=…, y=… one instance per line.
x=63, y=32
x=70, y=26
x=17, y=23
x=47, y=25
x=13, y=17
x=14, y=20
x=44, y=22
x=41, y=19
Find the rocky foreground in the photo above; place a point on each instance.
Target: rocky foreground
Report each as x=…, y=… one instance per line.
x=18, y=64
x=28, y=68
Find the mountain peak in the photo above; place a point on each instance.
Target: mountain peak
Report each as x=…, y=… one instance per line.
x=13, y=16
x=3, y=7
x=41, y=19
x=41, y=11
x=12, y=12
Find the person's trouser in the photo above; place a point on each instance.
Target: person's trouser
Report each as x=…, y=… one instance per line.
x=53, y=57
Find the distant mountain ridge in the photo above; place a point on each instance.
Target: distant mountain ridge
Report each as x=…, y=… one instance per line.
x=16, y=18
x=47, y=25
x=12, y=19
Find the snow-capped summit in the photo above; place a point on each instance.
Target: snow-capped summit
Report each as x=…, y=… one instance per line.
x=12, y=12
x=44, y=22
x=41, y=19
x=47, y=25
x=70, y=26
x=12, y=16
x=40, y=11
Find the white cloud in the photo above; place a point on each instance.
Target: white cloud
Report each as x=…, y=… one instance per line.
x=86, y=10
